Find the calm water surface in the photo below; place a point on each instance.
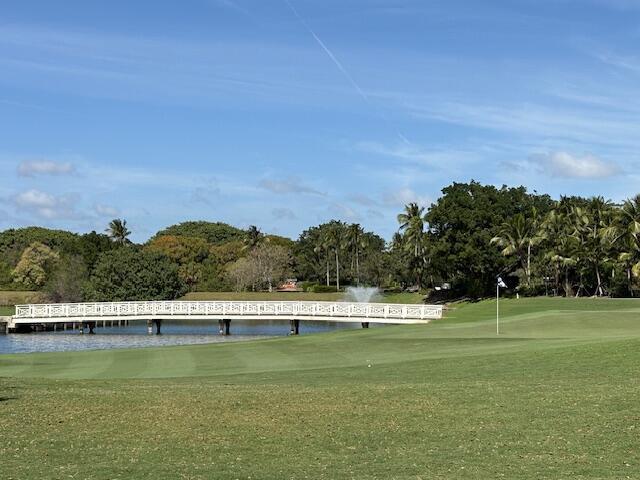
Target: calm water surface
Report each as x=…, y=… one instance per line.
x=176, y=333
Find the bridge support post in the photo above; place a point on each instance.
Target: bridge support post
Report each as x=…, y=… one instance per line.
x=295, y=327
x=227, y=327
x=150, y=327
x=158, y=323
x=81, y=327
x=220, y=327
x=365, y=324
x=91, y=326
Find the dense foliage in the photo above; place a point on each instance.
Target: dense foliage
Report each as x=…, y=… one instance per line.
x=461, y=225
x=134, y=274
x=457, y=246
x=214, y=233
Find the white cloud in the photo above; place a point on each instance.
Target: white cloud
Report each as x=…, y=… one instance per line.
x=563, y=164
x=32, y=168
x=289, y=185
x=46, y=205
x=343, y=212
x=106, y=210
x=403, y=196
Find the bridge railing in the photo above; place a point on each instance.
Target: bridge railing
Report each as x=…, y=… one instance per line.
x=302, y=309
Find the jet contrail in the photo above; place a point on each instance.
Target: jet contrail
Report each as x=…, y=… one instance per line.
x=338, y=64
x=328, y=52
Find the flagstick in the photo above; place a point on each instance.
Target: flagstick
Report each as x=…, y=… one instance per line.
x=498, y=309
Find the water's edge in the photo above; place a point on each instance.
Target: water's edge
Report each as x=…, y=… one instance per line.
x=173, y=333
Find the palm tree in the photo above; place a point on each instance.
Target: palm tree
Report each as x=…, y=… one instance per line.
x=336, y=239
x=356, y=241
x=592, y=225
x=516, y=237
x=323, y=245
x=412, y=225
x=625, y=234
x=554, y=231
x=118, y=231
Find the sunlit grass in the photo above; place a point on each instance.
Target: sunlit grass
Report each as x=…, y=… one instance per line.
x=555, y=396
x=300, y=296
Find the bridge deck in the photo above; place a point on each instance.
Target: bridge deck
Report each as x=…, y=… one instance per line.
x=227, y=310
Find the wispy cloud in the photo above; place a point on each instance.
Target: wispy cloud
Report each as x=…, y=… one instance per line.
x=288, y=186
x=282, y=213
x=106, y=210
x=535, y=120
x=361, y=199
x=138, y=67
x=33, y=168
x=402, y=196
x=47, y=206
x=340, y=211
x=563, y=164
x=229, y=4
x=416, y=154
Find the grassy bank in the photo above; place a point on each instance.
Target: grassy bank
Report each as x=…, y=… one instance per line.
x=300, y=296
x=555, y=396
x=9, y=298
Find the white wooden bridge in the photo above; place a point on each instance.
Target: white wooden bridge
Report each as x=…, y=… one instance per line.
x=223, y=311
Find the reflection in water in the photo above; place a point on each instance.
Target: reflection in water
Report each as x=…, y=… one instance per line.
x=173, y=333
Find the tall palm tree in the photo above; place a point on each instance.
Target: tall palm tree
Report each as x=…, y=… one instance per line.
x=356, y=241
x=336, y=240
x=118, y=231
x=412, y=218
x=412, y=225
x=323, y=245
x=517, y=236
x=592, y=225
x=624, y=233
x=555, y=231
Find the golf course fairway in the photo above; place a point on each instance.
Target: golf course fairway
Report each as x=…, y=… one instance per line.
x=555, y=395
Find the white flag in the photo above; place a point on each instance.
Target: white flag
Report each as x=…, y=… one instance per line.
x=501, y=284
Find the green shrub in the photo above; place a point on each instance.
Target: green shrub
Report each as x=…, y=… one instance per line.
x=324, y=289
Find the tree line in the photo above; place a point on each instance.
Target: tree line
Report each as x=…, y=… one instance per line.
x=455, y=247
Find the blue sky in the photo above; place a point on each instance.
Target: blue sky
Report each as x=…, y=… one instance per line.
x=285, y=114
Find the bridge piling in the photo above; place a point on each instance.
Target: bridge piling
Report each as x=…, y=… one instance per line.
x=365, y=324
x=158, y=323
x=149, y=327
x=295, y=327
x=220, y=327
x=227, y=327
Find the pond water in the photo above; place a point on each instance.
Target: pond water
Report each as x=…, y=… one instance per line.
x=173, y=333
